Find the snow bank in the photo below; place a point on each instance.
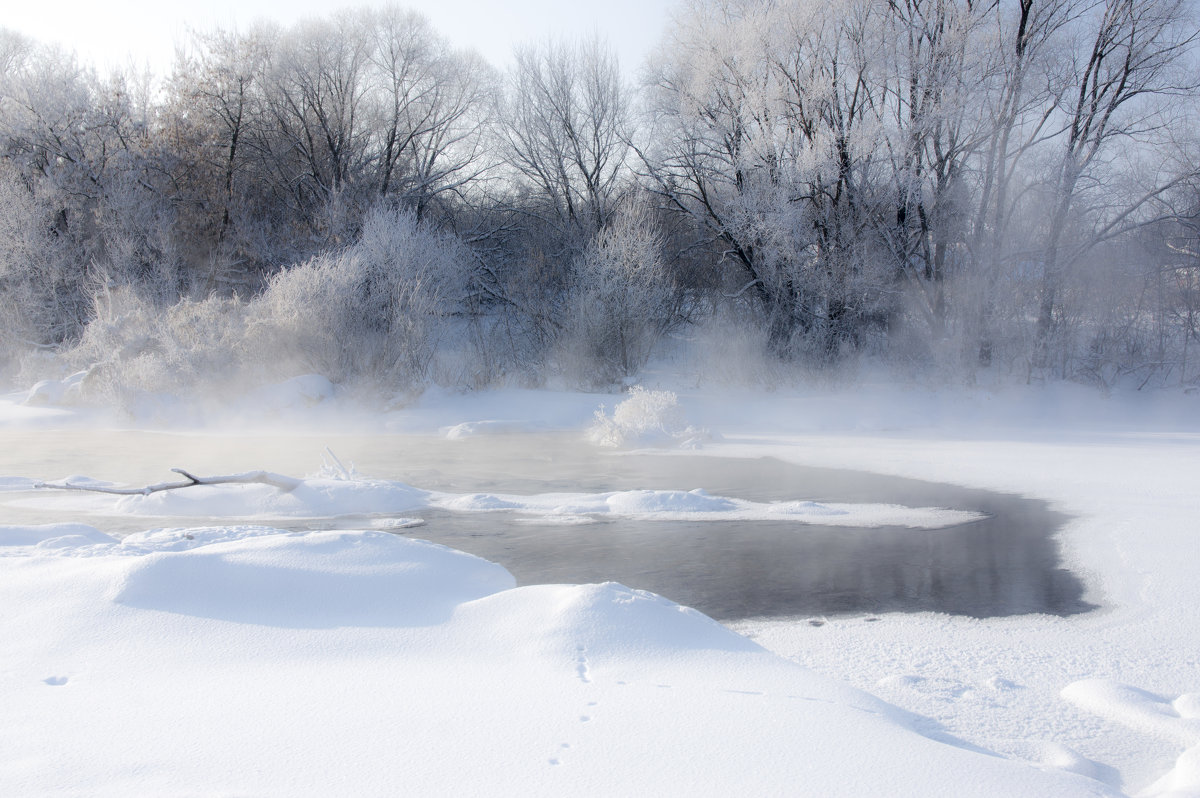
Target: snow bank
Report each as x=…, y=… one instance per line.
x=56, y=392
x=1177, y=721
x=698, y=505
x=52, y=535
x=331, y=498
x=494, y=699
x=314, y=580
x=14, y=413
x=471, y=429
x=244, y=660
x=313, y=498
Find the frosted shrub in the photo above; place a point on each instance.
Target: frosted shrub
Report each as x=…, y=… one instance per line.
x=645, y=417
x=374, y=310
x=42, y=288
x=134, y=346
x=622, y=298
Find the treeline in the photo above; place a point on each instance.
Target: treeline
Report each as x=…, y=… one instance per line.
x=972, y=185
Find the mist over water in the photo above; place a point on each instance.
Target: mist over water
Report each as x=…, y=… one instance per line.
x=1004, y=564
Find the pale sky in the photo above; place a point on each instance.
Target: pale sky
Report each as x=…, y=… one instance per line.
x=107, y=34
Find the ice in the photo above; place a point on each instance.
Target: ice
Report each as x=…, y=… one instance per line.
x=698, y=505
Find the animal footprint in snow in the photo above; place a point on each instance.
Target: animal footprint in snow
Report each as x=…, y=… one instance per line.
x=581, y=665
x=55, y=681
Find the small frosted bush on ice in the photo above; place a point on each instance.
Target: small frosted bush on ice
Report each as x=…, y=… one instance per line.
x=646, y=417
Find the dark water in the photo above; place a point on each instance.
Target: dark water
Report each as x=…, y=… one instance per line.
x=1004, y=564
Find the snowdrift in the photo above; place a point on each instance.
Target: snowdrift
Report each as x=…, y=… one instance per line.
x=252, y=660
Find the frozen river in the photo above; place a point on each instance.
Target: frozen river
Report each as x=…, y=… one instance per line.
x=1003, y=564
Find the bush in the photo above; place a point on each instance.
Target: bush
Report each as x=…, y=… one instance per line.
x=622, y=299
x=374, y=310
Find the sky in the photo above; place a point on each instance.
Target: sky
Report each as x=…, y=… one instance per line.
x=146, y=31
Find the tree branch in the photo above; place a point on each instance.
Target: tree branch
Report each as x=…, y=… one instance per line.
x=283, y=483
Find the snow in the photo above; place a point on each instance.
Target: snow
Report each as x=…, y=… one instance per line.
x=698, y=505
x=332, y=498
x=239, y=658
x=257, y=661
x=50, y=535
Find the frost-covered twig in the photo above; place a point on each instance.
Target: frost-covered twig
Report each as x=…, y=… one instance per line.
x=279, y=481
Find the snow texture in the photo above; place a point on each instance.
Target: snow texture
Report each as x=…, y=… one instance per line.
x=249, y=660
x=243, y=659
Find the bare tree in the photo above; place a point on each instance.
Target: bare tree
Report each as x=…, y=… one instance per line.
x=1116, y=86
x=567, y=127
x=433, y=106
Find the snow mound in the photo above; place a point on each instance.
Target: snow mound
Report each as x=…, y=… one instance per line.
x=471, y=429
x=181, y=539
x=590, y=625
x=480, y=502
x=1134, y=707
x=52, y=535
x=1178, y=721
x=314, y=580
x=53, y=393
x=1049, y=754
x=643, y=502
x=1182, y=781
x=699, y=505
x=617, y=620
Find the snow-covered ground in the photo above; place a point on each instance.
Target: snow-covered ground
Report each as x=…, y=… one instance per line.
x=242, y=659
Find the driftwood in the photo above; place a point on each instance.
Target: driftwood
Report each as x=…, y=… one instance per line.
x=279, y=481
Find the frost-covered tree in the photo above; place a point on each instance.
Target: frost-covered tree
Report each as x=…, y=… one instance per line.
x=622, y=298
x=764, y=134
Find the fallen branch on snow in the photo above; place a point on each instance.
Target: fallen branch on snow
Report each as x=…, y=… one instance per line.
x=279, y=481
